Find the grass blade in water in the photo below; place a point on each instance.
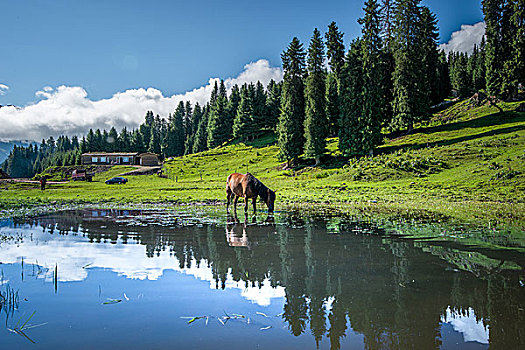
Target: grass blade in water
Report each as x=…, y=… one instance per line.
x=112, y=301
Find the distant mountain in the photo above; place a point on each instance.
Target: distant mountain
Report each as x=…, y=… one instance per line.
x=6, y=147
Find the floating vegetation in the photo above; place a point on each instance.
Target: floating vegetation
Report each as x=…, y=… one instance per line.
x=226, y=317
x=112, y=301
x=20, y=328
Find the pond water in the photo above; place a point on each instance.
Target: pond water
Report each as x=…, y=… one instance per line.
x=115, y=279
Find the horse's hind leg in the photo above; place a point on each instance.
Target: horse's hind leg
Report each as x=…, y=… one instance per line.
x=235, y=199
x=228, y=198
x=245, y=205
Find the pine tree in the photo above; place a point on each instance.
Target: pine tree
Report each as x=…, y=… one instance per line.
x=112, y=140
x=200, y=141
x=244, y=117
x=214, y=93
x=494, y=60
x=218, y=128
x=408, y=104
x=429, y=56
x=137, y=142
x=173, y=145
x=443, y=76
x=518, y=40
x=259, y=109
x=291, y=119
x=350, y=140
x=332, y=104
x=315, y=115
x=386, y=15
x=124, y=140
x=273, y=104
x=233, y=105
x=372, y=94
x=154, y=141
x=188, y=120
x=335, y=48
x=460, y=78
x=480, y=68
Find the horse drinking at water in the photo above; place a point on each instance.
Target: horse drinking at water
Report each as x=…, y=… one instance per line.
x=248, y=187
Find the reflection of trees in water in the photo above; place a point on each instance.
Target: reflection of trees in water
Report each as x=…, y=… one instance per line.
x=392, y=291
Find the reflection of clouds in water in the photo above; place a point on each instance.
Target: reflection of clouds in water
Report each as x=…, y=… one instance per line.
x=73, y=253
x=472, y=329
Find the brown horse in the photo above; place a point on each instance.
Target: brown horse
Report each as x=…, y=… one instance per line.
x=248, y=187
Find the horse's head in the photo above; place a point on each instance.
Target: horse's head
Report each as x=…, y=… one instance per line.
x=270, y=200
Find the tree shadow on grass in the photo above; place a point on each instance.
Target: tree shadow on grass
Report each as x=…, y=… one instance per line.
x=390, y=149
x=488, y=120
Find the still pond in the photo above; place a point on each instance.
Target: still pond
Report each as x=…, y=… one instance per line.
x=151, y=279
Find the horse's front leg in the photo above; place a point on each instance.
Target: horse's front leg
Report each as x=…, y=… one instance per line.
x=254, y=201
x=245, y=205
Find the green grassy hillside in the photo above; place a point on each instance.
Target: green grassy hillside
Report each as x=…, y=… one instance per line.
x=467, y=163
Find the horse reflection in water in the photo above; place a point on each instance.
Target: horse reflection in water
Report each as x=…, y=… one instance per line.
x=236, y=234
x=247, y=187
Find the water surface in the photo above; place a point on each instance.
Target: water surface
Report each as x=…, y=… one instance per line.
x=114, y=279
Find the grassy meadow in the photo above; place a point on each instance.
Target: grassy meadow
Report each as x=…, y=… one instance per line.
x=467, y=163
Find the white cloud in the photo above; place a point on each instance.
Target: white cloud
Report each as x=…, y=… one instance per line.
x=464, y=39
x=3, y=89
x=68, y=109
x=468, y=324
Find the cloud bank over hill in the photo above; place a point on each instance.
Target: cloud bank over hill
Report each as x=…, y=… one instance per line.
x=68, y=109
x=464, y=39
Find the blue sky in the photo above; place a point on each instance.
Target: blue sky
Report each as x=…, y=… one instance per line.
x=72, y=65
x=109, y=46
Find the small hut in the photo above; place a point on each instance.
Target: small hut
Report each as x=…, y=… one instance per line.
x=148, y=159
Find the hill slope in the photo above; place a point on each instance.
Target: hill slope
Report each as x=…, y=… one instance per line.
x=468, y=163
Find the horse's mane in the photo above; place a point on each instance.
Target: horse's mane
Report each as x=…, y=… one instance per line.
x=260, y=188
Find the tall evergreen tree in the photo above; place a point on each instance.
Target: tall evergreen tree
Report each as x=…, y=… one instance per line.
x=372, y=94
x=335, y=48
x=409, y=103
x=124, y=140
x=273, y=105
x=518, y=42
x=461, y=81
x=173, y=146
x=112, y=140
x=315, y=114
x=233, y=105
x=332, y=104
x=443, y=76
x=494, y=60
x=218, y=126
x=259, y=108
x=201, y=135
x=350, y=140
x=429, y=36
x=291, y=119
x=243, y=124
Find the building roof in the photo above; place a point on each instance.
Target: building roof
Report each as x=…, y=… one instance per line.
x=103, y=154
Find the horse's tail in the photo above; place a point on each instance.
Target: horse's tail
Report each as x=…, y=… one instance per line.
x=228, y=181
